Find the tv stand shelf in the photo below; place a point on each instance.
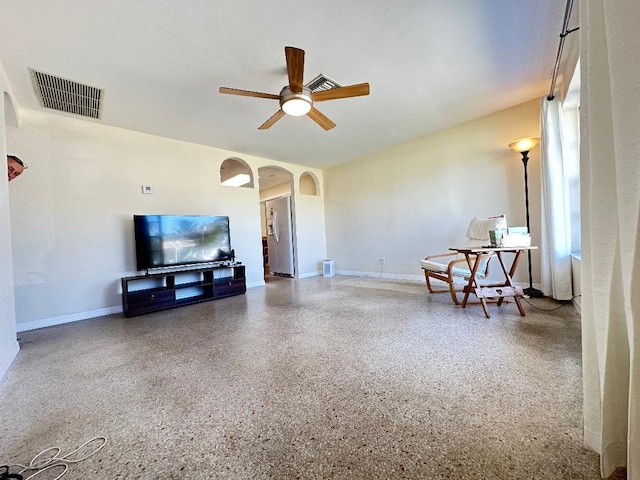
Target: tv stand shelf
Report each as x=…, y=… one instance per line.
x=159, y=291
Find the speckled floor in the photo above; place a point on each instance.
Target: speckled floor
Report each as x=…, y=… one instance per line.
x=343, y=377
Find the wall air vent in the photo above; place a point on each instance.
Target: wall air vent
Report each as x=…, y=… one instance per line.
x=322, y=83
x=67, y=96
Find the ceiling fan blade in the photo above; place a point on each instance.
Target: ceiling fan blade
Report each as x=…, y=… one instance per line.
x=247, y=93
x=295, y=67
x=320, y=118
x=273, y=119
x=357, y=90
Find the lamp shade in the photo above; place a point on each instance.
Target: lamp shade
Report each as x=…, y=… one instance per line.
x=525, y=144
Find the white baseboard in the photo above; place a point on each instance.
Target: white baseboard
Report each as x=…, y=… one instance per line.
x=311, y=274
x=73, y=317
x=9, y=357
x=413, y=278
x=576, y=280
x=577, y=304
x=390, y=276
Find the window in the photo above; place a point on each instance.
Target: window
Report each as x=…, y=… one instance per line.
x=571, y=154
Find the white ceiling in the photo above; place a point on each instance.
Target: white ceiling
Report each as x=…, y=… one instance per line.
x=431, y=64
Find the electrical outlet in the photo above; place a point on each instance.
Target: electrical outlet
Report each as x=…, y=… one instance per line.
x=382, y=261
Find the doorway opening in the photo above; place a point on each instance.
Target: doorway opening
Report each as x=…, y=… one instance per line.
x=277, y=222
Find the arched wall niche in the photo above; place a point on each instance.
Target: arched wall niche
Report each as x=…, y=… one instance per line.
x=235, y=172
x=308, y=184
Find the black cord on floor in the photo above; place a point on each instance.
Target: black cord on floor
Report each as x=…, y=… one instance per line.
x=565, y=302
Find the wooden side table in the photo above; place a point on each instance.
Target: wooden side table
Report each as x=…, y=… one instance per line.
x=475, y=256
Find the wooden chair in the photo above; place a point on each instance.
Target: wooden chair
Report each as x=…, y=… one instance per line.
x=452, y=266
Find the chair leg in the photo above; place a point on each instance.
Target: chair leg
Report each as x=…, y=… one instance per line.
x=426, y=278
x=452, y=290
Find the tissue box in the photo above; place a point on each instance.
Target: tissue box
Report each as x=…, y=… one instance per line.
x=518, y=230
x=496, y=236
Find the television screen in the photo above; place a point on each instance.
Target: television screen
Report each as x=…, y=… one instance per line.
x=170, y=240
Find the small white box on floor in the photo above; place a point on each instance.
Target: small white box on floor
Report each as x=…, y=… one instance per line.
x=328, y=268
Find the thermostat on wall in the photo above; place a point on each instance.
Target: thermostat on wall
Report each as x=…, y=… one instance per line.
x=148, y=189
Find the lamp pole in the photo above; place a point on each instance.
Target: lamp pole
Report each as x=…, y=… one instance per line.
x=524, y=146
x=532, y=292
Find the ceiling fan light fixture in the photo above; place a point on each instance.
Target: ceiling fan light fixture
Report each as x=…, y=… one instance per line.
x=296, y=107
x=295, y=104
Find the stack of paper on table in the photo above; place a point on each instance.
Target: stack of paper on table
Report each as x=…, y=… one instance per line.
x=517, y=237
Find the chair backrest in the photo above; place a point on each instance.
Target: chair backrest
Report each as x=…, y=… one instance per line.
x=478, y=235
x=478, y=229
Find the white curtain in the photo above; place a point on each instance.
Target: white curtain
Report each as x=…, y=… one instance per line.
x=556, y=215
x=610, y=205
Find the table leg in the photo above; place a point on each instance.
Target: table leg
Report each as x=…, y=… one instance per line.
x=473, y=284
x=511, y=272
x=509, y=278
x=506, y=274
x=469, y=284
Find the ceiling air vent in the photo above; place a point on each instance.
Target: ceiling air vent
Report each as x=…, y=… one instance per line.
x=67, y=96
x=322, y=83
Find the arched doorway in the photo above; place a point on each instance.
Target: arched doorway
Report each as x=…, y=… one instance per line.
x=278, y=225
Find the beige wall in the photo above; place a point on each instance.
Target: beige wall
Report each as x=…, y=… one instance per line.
x=72, y=213
x=417, y=198
x=310, y=237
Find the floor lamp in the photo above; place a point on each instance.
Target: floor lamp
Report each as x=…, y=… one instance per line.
x=524, y=146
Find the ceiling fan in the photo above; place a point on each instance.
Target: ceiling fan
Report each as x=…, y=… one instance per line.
x=295, y=98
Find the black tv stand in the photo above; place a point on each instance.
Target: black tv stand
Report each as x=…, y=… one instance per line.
x=156, y=291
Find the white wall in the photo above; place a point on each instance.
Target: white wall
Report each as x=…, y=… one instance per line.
x=8, y=342
x=310, y=234
x=417, y=198
x=72, y=211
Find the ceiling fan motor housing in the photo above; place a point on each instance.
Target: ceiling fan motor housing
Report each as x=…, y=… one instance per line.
x=295, y=104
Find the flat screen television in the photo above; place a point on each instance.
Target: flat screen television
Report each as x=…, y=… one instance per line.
x=171, y=240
